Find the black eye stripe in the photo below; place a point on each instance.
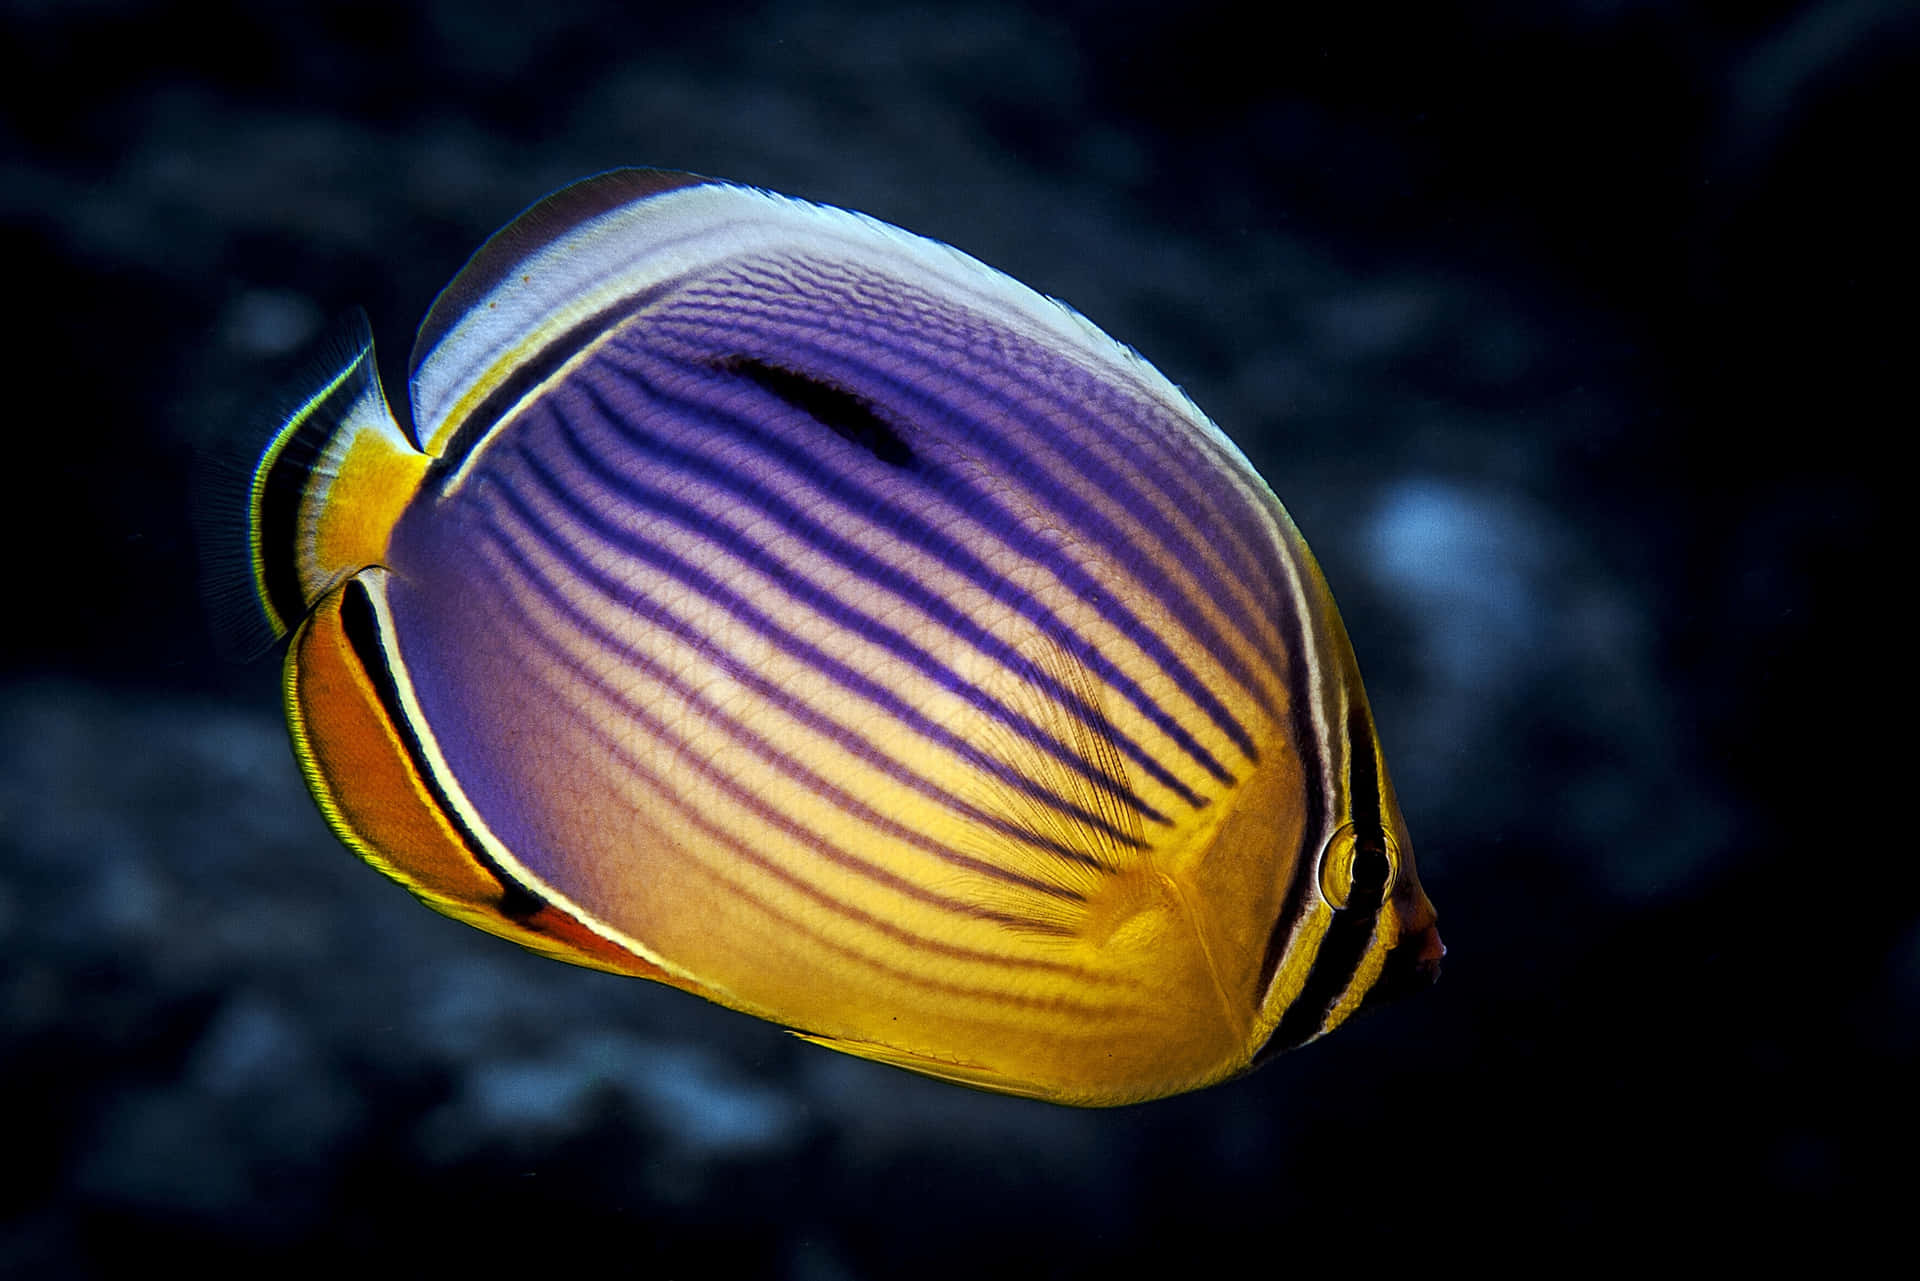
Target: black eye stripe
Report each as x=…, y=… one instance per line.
x=1372, y=874
x=1298, y=897
x=1363, y=782
x=1351, y=934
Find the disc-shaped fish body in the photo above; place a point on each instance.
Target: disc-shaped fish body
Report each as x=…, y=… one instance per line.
x=793, y=610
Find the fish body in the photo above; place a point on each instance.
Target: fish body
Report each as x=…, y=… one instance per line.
x=778, y=605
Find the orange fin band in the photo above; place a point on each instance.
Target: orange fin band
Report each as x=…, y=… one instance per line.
x=376, y=800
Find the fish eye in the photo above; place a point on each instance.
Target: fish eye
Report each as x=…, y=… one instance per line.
x=1357, y=867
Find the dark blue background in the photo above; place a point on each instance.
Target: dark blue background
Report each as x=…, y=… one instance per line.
x=1568, y=331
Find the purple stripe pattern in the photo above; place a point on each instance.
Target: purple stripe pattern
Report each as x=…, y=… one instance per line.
x=894, y=626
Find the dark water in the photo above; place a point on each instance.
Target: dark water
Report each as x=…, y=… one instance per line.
x=1569, y=333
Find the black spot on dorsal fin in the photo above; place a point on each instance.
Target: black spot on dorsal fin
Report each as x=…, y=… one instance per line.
x=840, y=411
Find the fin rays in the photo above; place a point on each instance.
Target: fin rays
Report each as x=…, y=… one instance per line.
x=272, y=547
x=1054, y=846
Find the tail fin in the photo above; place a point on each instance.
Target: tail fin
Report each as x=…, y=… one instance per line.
x=280, y=525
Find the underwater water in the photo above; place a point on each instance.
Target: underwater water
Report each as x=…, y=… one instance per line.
x=1562, y=332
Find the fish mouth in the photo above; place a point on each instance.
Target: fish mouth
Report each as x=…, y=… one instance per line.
x=1412, y=966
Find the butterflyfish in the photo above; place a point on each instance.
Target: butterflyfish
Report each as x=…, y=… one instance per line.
x=769, y=602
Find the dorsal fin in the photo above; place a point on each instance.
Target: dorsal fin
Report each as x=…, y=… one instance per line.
x=538, y=276
x=537, y=226
x=583, y=260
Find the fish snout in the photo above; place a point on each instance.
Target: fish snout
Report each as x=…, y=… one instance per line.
x=1412, y=966
x=1414, y=963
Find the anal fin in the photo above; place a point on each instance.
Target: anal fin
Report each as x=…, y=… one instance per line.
x=377, y=796
x=960, y=1072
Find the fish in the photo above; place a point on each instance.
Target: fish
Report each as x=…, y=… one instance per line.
x=775, y=604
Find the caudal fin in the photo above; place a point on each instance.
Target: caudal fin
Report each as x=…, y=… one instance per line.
x=308, y=496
